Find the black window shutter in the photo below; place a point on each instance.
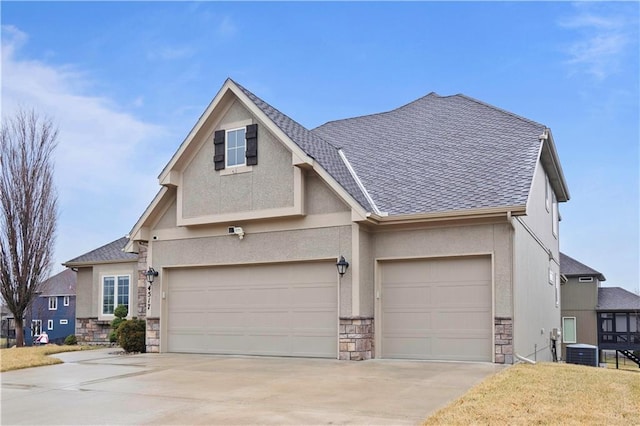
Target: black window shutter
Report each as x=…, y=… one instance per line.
x=218, y=149
x=252, y=144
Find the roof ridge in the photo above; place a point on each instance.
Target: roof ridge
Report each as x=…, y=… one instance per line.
x=381, y=113
x=504, y=111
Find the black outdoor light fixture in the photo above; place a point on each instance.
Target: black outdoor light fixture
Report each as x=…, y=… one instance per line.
x=342, y=266
x=151, y=275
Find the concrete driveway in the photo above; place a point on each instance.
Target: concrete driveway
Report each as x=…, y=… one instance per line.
x=98, y=387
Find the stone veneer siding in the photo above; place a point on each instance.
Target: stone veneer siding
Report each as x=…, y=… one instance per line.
x=356, y=339
x=93, y=331
x=153, y=335
x=142, y=280
x=503, y=340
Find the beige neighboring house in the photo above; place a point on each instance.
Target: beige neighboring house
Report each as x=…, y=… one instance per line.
x=606, y=317
x=445, y=209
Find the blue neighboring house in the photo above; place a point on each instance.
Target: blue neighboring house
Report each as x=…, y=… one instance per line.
x=54, y=310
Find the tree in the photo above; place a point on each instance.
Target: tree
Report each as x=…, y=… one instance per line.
x=28, y=210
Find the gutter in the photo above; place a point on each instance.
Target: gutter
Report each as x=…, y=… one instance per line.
x=491, y=212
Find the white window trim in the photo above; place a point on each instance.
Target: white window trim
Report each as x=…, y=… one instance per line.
x=64, y=322
x=547, y=193
x=575, y=330
x=49, y=324
x=226, y=149
x=53, y=299
x=37, y=322
x=552, y=277
x=555, y=217
x=115, y=294
x=65, y=300
x=585, y=279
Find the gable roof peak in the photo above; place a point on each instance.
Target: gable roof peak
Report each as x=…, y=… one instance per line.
x=111, y=252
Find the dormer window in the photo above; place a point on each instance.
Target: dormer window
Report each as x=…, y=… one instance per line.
x=585, y=279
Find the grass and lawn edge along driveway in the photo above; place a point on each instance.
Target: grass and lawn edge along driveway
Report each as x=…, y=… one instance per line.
x=545, y=393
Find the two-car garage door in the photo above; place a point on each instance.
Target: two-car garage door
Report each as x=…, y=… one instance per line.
x=437, y=309
x=287, y=309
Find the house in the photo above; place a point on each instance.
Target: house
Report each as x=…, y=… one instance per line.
x=53, y=309
x=444, y=213
x=606, y=317
x=107, y=277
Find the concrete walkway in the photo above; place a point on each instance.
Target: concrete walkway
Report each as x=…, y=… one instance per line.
x=98, y=387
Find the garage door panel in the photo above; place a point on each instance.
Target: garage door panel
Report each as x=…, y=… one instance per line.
x=437, y=309
x=394, y=322
x=280, y=309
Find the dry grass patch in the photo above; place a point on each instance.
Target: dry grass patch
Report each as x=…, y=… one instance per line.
x=33, y=356
x=548, y=393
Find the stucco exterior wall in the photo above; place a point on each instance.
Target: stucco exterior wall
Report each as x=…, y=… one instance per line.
x=492, y=239
x=86, y=302
x=536, y=312
x=128, y=268
x=267, y=185
x=319, y=199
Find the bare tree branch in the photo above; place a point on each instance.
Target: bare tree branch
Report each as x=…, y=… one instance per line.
x=28, y=210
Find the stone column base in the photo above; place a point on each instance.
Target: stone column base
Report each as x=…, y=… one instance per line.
x=356, y=338
x=93, y=331
x=153, y=335
x=503, y=340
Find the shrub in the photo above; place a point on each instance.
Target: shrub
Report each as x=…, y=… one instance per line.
x=131, y=335
x=120, y=314
x=71, y=340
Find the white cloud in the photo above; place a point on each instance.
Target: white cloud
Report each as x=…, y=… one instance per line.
x=227, y=27
x=604, y=35
x=104, y=171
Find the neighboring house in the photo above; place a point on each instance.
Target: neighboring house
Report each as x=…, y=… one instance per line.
x=53, y=310
x=445, y=209
x=607, y=317
x=107, y=277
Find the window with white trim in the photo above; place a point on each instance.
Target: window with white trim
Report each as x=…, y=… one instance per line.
x=49, y=324
x=115, y=292
x=65, y=300
x=64, y=322
x=36, y=327
x=53, y=303
x=547, y=193
x=569, y=330
x=554, y=216
x=552, y=277
x=585, y=279
x=236, y=146
x=557, y=284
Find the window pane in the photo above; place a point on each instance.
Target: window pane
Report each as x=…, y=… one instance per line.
x=621, y=323
x=236, y=147
x=569, y=330
x=634, y=323
x=123, y=291
x=108, y=296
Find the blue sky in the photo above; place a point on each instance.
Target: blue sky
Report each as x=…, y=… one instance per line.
x=125, y=82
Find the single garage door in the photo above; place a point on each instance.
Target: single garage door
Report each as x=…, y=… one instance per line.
x=437, y=309
x=275, y=309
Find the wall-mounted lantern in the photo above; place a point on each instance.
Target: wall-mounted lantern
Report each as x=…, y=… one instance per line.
x=342, y=266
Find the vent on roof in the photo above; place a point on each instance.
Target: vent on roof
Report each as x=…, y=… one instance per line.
x=585, y=279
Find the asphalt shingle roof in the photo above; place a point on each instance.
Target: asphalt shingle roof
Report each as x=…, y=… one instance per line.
x=617, y=299
x=111, y=252
x=572, y=268
x=313, y=145
x=440, y=153
x=62, y=284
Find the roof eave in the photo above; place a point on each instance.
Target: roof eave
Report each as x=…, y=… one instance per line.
x=551, y=163
x=92, y=263
x=481, y=213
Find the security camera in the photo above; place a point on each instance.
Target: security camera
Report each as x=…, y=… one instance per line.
x=236, y=230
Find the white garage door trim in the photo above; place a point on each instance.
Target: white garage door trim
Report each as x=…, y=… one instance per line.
x=407, y=343
x=274, y=309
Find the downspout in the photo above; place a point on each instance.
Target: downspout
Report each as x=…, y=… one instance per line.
x=511, y=219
